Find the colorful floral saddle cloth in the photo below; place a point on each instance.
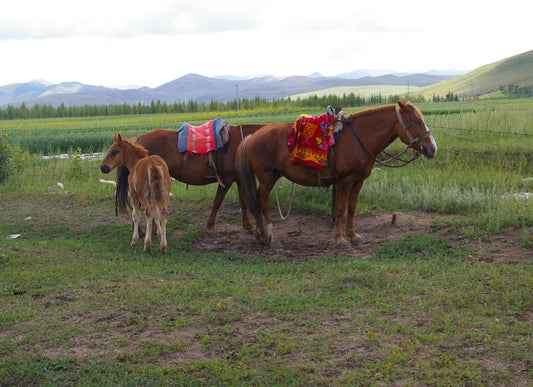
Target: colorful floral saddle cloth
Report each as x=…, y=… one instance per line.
x=310, y=138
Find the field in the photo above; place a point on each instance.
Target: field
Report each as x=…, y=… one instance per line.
x=442, y=293
x=363, y=91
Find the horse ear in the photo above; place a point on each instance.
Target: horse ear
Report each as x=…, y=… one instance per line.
x=402, y=104
x=117, y=138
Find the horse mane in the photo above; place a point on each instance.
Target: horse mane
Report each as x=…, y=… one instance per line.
x=140, y=151
x=366, y=112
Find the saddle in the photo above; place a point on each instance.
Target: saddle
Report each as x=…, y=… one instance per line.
x=210, y=136
x=206, y=138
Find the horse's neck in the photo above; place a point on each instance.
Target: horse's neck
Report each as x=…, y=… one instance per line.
x=379, y=137
x=133, y=156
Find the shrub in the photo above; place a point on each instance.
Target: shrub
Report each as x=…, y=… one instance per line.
x=11, y=158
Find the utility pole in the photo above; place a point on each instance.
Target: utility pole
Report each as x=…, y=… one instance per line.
x=237, y=93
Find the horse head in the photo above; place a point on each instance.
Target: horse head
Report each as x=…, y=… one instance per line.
x=414, y=131
x=115, y=154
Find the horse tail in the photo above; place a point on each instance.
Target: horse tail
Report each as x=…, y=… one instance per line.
x=158, y=186
x=121, y=194
x=247, y=178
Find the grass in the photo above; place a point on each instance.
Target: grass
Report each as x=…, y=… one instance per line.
x=91, y=310
x=79, y=305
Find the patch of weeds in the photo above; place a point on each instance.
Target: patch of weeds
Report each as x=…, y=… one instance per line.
x=76, y=168
x=414, y=247
x=526, y=238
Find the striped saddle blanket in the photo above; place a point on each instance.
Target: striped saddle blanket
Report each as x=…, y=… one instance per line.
x=204, y=138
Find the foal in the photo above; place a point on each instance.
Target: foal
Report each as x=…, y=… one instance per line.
x=148, y=185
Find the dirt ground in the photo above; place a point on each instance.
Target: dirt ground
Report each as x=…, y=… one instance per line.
x=306, y=237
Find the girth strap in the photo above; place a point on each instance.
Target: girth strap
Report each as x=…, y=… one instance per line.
x=211, y=164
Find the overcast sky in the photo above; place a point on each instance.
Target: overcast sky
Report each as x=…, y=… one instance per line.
x=151, y=42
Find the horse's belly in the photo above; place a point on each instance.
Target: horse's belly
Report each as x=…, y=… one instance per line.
x=308, y=176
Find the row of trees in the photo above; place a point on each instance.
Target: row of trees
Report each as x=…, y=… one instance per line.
x=159, y=107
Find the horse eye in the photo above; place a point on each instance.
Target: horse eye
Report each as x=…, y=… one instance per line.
x=113, y=153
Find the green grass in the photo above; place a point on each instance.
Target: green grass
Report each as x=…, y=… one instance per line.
x=79, y=305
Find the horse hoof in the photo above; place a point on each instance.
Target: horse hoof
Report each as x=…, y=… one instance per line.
x=276, y=245
x=249, y=229
x=342, y=244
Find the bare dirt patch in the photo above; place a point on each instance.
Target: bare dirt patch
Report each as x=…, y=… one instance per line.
x=305, y=236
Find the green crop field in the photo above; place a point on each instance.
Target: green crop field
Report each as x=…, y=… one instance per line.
x=441, y=295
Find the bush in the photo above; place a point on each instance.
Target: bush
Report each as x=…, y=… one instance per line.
x=11, y=158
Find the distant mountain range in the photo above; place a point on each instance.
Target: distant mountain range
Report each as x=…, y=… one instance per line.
x=203, y=89
x=516, y=70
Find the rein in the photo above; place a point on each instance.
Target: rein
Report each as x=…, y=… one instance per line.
x=397, y=156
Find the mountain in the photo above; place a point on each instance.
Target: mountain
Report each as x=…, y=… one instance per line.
x=356, y=74
x=194, y=87
x=515, y=70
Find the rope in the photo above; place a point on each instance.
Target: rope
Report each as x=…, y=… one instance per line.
x=513, y=147
x=290, y=203
x=483, y=131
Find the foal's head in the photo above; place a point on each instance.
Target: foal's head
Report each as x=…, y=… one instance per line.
x=123, y=152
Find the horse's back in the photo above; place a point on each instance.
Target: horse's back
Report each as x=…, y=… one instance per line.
x=269, y=140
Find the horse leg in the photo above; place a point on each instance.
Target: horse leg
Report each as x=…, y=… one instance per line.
x=342, y=196
x=246, y=224
x=163, y=230
x=264, y=197
x=355, y=238
x=135, y=217
x=148, y=236
x=219, y=197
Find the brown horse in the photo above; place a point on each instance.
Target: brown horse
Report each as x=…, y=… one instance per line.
x=364, y=135
x=194, y=169
x=149, y=186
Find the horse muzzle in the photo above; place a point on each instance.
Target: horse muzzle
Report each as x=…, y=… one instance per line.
x=429, y=150
x=105, y=168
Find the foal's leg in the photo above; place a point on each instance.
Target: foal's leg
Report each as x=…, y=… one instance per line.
x=355, y=238
x=163, y=230
x=135, y=217
x=148, y=236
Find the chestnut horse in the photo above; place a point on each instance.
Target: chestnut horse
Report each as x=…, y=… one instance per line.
x=364, y=135
x=149, y=186
x=194, y=169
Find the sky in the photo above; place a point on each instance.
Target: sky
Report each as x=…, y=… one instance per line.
x=151, y=42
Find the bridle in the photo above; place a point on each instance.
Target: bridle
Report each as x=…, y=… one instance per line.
x=406, y=127
x=403, y=162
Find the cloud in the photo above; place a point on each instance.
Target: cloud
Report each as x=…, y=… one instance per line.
x=120, y=19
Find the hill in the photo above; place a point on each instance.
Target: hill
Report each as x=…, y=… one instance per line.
x=194, y=87
x=515, y=70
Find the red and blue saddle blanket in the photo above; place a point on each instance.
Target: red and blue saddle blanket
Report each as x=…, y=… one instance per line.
x=204, y=138
x=309, y=139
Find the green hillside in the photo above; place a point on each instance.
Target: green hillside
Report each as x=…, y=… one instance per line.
x=488, y=79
